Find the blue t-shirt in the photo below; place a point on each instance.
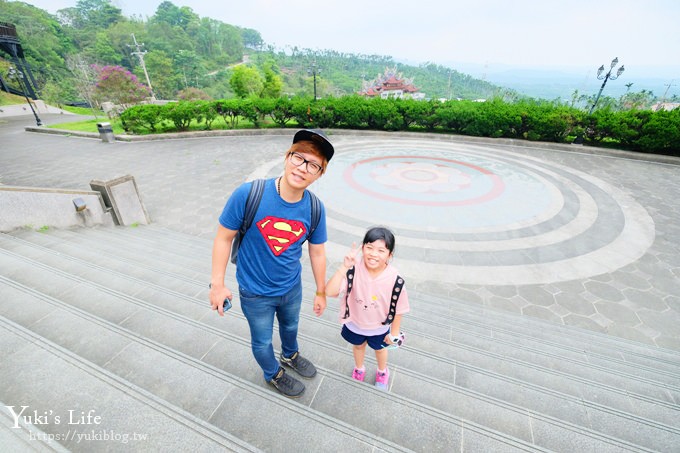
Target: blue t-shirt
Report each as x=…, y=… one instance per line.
x=270, y=252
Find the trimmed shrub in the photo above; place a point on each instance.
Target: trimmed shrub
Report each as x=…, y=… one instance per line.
x=639, y=130
x=143, y=116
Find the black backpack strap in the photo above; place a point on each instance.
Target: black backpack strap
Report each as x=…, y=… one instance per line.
x=316, y=213
x=350, y=282
x=252, y=203
x=396, y=292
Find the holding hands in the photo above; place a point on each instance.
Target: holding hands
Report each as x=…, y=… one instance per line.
x=319, y=304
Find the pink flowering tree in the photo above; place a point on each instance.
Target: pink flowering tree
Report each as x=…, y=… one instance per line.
x=118, y=85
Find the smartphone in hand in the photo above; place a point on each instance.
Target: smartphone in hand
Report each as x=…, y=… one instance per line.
x=227, y=302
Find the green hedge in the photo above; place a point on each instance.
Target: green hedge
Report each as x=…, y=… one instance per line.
x=637, y=130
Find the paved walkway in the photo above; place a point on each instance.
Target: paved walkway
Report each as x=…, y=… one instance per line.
x=38, y=109
x=549, y=231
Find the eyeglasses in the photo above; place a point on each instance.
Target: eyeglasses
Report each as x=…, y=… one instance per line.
x=312, y=167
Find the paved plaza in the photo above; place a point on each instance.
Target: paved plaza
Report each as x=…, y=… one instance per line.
x=567, y=234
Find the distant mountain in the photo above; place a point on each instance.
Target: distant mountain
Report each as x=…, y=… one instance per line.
x=553, y=85
x=556, y=83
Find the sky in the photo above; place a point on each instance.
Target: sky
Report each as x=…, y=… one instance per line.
x=477, y=36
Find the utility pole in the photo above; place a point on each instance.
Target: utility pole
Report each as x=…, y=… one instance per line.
x=140, y=55
x=663, y=99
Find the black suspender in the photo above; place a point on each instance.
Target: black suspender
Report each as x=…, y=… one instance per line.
x=350, y=283
x=396, y=292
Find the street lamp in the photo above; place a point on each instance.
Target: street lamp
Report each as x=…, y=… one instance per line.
x=314, y=70
x=18, y=75
x=606, y=77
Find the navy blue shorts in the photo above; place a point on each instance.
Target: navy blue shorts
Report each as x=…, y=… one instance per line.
x=375, y=342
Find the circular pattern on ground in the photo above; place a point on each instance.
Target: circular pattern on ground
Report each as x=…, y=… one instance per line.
x=480, y=214
x=411, y=188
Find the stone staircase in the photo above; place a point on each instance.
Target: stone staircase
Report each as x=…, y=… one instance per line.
x=108, y=340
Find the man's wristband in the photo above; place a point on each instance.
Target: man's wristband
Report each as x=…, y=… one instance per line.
x=320, y=293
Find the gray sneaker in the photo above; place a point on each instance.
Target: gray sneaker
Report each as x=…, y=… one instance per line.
x=300, y=365
x=287, y=385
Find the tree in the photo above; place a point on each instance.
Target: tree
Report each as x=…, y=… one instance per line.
x=96, y=14
x=218, y=41
x=84, y=75
x=176, y=16
x=251, y=38
x=189, y=68
x=43, y=40
x=163, y=36
x=637, y=100
x=578, y=99
x=104, y=52
x=246, y=81
x=273, y=85
x=166, y=81
x=119, y=36
x=96, y=30
x=118, y=85
x=51, y=93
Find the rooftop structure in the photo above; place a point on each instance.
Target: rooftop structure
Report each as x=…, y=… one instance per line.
x=391, y=84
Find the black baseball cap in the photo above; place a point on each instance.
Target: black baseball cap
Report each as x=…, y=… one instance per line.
x=318, y=137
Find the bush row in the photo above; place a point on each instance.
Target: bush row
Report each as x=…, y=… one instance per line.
x=638, y=130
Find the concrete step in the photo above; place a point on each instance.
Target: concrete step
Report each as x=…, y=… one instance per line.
x=479, y=323
x=18, y=436
x=411, y=381
x=218, y=398
x=549, y=393
x=242, y=408
x=490, y=346
x=170, y=246
x=82, y=407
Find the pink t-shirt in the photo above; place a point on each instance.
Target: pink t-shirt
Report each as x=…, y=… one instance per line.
x=369, y=301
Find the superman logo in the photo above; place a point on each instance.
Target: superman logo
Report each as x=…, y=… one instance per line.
x=280, y=234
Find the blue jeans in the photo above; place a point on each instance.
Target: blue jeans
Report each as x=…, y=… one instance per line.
x=260, y=311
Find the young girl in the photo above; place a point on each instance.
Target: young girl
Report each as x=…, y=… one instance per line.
x=373, y=300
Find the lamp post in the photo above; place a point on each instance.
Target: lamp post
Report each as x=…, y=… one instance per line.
x=17, y=74
x=606, y=77
x=314, y=70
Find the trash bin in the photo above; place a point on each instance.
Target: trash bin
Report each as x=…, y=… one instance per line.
x=106, y=132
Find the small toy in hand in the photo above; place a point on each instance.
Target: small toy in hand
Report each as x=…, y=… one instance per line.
x=397, y=341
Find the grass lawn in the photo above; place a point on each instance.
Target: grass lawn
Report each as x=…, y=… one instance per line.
x=90, y=125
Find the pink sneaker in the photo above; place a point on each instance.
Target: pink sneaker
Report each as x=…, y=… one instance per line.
x=381, y=379
x=358, y=374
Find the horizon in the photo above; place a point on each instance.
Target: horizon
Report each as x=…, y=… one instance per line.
x=499, y=38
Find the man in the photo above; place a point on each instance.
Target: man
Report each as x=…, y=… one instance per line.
x=268, y=269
